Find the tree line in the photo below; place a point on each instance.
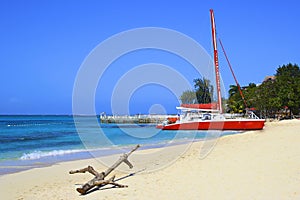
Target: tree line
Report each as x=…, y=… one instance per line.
x=277, y=96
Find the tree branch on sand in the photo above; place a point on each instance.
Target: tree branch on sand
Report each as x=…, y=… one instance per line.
x=99, y=177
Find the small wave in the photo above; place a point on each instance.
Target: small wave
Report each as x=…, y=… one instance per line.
x=33, y=124
x=40, y=154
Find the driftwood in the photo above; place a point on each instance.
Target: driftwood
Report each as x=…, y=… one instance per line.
x=99, y=177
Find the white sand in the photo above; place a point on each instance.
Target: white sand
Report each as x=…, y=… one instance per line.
x=254, y=165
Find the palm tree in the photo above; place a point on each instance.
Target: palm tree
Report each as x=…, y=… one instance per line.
x=235, y=101
x=233, y=90
x=204, y=90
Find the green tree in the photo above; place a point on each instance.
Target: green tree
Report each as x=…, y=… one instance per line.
x=272, y=96
x=236, y=104
x=233, y=90
x=266, y=99
x=188, y=97
x=250, y=94
x=204, y=90
x=288, y=84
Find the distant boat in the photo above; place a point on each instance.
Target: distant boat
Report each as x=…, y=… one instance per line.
x=211, y=116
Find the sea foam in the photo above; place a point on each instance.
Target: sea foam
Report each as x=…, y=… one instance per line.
x=40, y=154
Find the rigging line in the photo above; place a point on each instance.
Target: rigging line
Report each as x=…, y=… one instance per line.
x=237, y=83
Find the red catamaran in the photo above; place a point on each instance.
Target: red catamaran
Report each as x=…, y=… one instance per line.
x=211, y=116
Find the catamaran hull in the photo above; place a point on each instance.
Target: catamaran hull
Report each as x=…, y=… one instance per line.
x=216, y=125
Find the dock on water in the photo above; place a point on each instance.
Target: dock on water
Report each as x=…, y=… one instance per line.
x=133, y=119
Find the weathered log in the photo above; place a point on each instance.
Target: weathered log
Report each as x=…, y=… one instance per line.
x=99, y=177
x=109, y=181
x=87, y=169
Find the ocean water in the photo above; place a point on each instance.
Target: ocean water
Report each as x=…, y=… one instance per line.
x=37, y=141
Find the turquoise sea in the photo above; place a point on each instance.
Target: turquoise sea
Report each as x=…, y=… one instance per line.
x=31, y=141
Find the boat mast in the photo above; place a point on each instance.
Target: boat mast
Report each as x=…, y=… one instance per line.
x=216, y=60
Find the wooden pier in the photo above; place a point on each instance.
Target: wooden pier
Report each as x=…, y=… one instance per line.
x=133, y=119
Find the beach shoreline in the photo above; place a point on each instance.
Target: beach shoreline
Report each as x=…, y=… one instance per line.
x=254, y=165
x=30, y=158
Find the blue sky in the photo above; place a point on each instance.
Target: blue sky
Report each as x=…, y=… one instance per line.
x=44, y=43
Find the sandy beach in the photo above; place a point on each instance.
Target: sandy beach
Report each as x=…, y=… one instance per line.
x=254, y=165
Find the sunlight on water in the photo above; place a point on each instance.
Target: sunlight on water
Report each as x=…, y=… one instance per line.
x=48, y=139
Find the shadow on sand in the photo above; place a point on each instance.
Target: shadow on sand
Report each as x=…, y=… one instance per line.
x=101, y=187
